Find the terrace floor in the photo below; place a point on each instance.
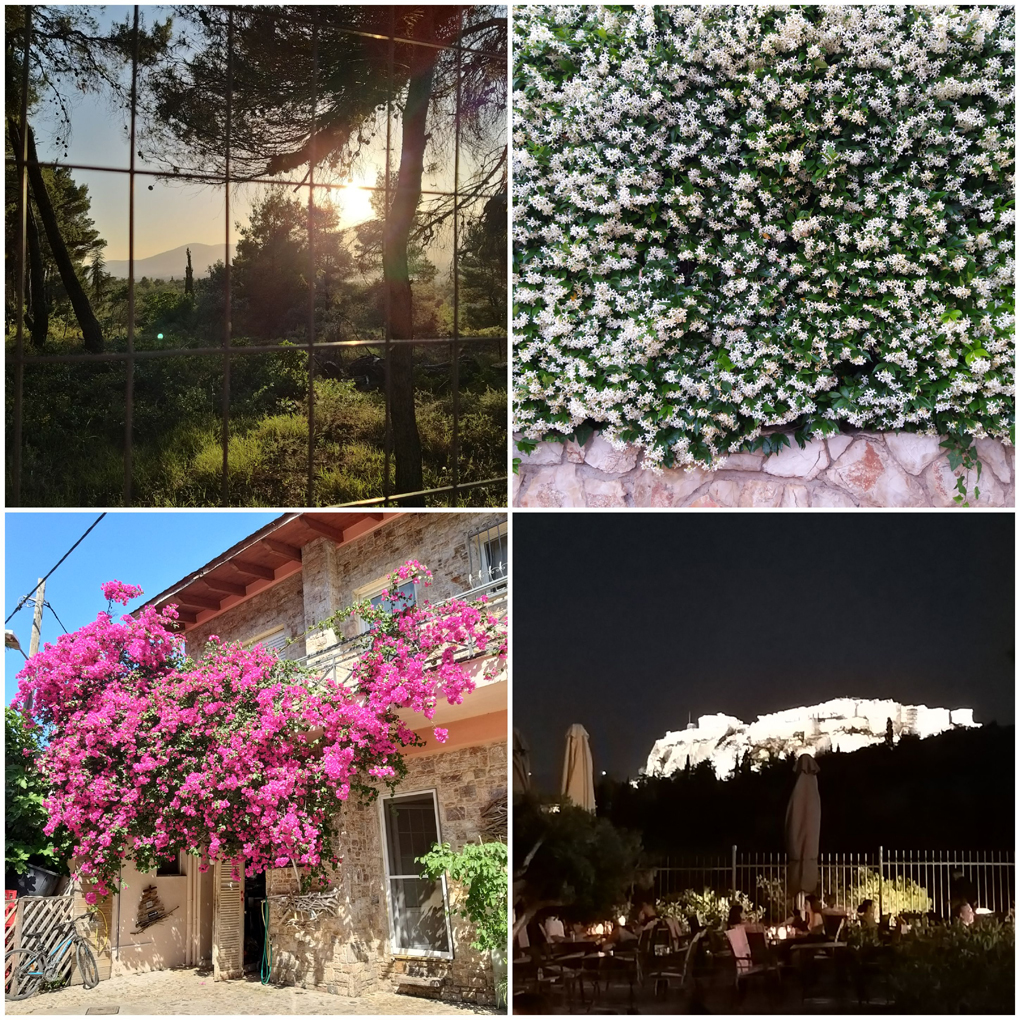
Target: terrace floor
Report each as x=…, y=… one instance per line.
x=824, y=994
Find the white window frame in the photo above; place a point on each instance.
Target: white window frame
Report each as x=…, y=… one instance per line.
x=426, y=954
x=260, y=638
x=369, y=591
x=477, y=551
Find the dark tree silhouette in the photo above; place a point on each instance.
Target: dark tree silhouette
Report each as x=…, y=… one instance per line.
x=67, y=51
x=308, y=83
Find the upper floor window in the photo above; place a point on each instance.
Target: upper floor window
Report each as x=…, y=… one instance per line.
x=487, y=555
x=399, y=598
x=275, y=638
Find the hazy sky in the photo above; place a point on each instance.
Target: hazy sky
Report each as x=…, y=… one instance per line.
x=149, y=549
x=627, y=622
x=173, y=214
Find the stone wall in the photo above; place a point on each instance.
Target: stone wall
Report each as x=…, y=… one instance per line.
x=349, y=954
x=279, y=604
x=863, y=469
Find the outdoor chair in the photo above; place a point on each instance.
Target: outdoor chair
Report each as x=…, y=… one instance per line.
x=550, y=978
x=746, y=965
x=677, y=968
x=627, y=960
x=832, y=925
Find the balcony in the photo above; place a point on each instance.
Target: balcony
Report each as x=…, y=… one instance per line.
x=337, y=661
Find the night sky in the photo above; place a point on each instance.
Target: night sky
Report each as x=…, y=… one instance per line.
x=625, y=622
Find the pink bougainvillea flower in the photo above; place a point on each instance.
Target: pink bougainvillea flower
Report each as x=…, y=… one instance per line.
x=116, y=591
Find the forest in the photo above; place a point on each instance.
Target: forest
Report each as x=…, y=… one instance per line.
x=356, y=349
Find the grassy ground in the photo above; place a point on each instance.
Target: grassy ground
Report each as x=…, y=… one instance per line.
x=73, y=429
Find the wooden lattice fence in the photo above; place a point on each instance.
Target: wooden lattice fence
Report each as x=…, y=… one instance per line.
x=40, y=923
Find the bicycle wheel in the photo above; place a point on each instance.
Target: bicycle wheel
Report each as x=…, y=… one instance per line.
x=87, y=966
x=24, y=971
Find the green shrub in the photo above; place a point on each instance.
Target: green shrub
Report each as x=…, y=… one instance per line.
x=711, y=907
x=938, y=968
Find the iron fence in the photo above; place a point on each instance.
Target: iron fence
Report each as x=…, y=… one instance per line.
x=459, y=490
x=899, y=881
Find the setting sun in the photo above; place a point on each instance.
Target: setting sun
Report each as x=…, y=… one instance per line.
x=353, y=202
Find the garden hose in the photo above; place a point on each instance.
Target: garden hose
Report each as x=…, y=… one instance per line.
x=267, y=948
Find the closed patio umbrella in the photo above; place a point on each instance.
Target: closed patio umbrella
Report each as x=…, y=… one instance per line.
x=522, y=764
x=578, y=775
x=803, y=823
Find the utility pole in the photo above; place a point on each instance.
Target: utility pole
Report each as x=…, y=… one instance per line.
x=33, y=646
x=40, y=595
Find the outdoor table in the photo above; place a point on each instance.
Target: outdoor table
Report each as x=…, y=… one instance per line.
x=798, y=944
x=575, y=955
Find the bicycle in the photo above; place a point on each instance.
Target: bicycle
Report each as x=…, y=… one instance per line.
x=26, y=970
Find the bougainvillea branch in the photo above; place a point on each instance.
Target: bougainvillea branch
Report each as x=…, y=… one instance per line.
x=241, y=754
x=729, y=219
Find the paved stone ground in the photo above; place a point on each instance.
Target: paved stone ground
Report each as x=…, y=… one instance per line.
x=194, y=993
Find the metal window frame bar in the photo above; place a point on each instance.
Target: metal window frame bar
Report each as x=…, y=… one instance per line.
x=228, y=349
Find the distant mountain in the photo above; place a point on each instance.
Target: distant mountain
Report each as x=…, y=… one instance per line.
x=171, y=263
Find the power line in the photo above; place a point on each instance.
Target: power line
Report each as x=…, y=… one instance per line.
x=57, y=618
x=25, y=598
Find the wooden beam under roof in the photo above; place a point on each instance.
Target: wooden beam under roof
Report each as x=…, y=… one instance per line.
x=255, y=569
x=202, y=601
x=292, y=552
x=361, y=527
x=322, y=528
x=230, y=587
x=185, y=617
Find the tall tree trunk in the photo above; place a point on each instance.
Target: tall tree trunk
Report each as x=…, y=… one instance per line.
x=91, y=331
x=399, y=222
x=37, y=285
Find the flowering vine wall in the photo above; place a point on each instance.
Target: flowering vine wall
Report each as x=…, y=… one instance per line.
x=239, y=754
x=729, y=219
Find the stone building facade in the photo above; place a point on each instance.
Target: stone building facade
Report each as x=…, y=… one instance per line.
x=273, y=588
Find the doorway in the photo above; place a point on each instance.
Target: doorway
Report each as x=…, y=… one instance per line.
x=254, y=922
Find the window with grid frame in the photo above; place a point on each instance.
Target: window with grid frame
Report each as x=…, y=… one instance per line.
x=488, y=562
x=404, y=44
x=400, y=598
x=418, y=907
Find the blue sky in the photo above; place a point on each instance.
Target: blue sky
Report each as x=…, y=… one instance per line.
x=149, y=549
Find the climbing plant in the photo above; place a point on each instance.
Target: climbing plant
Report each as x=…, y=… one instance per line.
x=734, y=219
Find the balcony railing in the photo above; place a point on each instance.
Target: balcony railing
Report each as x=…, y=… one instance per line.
x=336, y=661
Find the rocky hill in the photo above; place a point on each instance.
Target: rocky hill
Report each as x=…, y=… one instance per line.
x=842, y=724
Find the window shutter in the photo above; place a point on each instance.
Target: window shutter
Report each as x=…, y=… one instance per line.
x=278, y=642
x=228, y=921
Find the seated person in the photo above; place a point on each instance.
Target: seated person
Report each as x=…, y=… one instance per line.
x=813, y=912
x=646, y=913
x=736, y=916
x=964, y=914
x=797, y=922
x=867, y=914
x=831, y=906
x=553, y=928
x=621, y=936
